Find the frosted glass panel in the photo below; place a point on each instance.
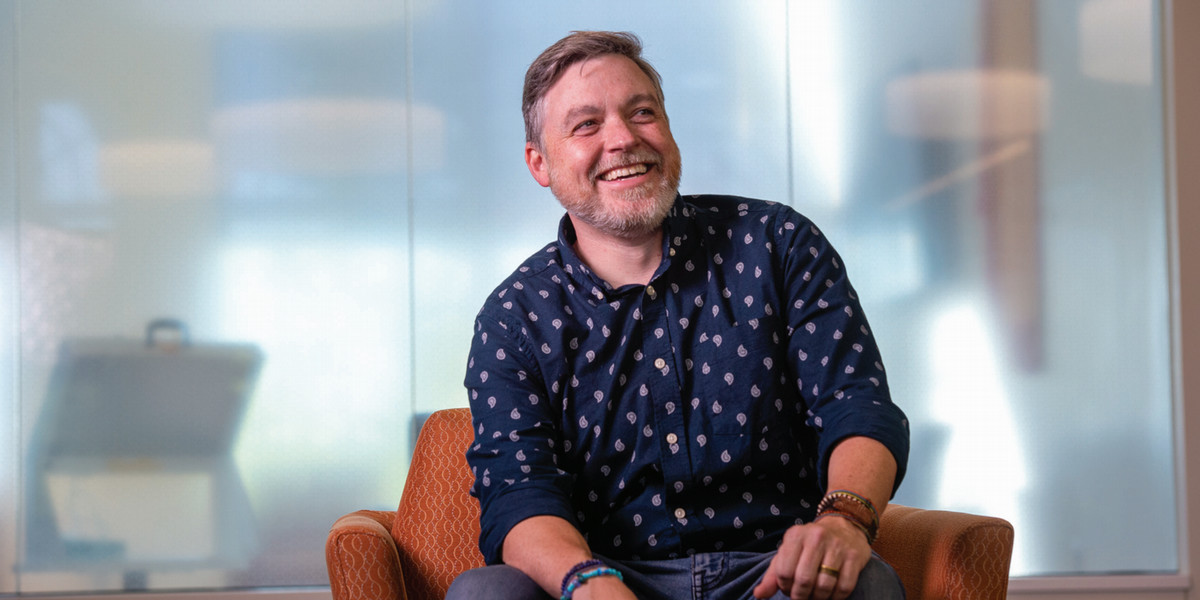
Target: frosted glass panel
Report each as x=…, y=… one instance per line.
x=10, y=446
x=241, y=172
x=242, y=244
x=993, y=174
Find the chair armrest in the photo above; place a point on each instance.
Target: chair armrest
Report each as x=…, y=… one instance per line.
x=943, y=555
x=361, y=557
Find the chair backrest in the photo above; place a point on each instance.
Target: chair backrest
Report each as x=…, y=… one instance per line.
x=437, y=522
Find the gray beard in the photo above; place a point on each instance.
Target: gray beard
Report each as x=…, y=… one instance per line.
x=639, y=223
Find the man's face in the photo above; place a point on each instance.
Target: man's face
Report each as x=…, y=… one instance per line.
x=607, y=153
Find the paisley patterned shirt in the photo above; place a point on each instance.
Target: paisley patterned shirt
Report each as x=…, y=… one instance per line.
x=692, y=414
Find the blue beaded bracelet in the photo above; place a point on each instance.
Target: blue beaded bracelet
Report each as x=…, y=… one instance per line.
x=587, y=564
x=583, y=578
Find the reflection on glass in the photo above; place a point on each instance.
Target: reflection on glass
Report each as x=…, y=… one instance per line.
x=69, y=152
x=821, y=125
x=983, y=466
x=130, y=468
x=1038, y=331
x=339, y=184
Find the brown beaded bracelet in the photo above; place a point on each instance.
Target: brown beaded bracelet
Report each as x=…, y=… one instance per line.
x=853, y=507
x=835, y=499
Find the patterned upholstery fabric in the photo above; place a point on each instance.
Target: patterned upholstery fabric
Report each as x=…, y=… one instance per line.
x=947, y=555
x=415, y=552
x=361, y=557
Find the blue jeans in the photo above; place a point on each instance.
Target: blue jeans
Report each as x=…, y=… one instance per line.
x=711, y=576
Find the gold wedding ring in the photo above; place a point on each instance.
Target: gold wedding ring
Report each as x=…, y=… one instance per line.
x=828, y=570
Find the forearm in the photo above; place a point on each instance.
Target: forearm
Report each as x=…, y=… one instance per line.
x=865, y=467
x=545, y=548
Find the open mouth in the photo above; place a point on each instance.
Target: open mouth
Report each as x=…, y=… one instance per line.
x=625, y=172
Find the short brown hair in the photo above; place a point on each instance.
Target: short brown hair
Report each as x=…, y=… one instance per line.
x=576, y=47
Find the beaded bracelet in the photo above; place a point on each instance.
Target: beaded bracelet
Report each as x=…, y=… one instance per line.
x=583, y=577
x=851, y=506
x=587, y=564
x=834, y=500
x=834, y=496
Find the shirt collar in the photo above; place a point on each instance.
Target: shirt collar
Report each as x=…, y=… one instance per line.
x=679, y=236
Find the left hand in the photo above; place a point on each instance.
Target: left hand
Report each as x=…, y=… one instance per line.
x=796, y=570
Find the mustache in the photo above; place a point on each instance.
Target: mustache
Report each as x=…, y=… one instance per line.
x=624, y=159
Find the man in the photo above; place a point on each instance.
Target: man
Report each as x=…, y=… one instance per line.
x=680, y=397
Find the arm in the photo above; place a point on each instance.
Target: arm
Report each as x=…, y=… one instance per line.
x=863, y=436
x=865, y=467
x=546, y=547
x=524, y=497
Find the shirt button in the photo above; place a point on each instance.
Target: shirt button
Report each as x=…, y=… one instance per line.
x=660, y=363
x=671, y=252
x=680, y=513
x=650, y=291
x=672, y=438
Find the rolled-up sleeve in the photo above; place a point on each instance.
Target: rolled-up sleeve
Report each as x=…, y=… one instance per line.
x=832, y=350
x=514, y=454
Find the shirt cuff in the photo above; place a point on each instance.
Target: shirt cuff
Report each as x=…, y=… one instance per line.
x=877, y=419
x=512, y=507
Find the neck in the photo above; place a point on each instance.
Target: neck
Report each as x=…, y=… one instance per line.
x=619, y=260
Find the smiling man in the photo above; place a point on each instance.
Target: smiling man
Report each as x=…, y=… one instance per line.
x=680, y=397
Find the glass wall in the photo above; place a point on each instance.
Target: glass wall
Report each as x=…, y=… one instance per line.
x=242, y=245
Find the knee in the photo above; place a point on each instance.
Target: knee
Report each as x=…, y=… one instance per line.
x=496, y=581
x=878, y=580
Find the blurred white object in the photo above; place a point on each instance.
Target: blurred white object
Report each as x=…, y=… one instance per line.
x=157, y=169
x=1116, y=41
x=972, y=104
x=330, y=136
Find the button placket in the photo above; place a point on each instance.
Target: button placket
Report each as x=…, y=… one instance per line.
x=668, y=404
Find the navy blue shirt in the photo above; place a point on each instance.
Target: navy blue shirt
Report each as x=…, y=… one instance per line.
x=692, y=414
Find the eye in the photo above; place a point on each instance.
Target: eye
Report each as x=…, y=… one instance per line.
x=584, y=126
x=644, y=114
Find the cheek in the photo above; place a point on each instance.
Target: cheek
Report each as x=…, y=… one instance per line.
x=580, y=161
x=668, y=143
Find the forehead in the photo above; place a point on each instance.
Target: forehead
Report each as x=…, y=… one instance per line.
x=597, y=82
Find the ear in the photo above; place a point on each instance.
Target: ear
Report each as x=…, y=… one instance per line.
x=536, y=161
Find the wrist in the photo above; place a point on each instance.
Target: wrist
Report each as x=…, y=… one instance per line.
x=843, y=521
x=603, y=588
x=853, y=508
x=582, y=573
x=575, y=570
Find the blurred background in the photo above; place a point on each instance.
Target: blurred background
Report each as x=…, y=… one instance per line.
x=242, y=244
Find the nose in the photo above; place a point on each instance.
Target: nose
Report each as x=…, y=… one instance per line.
x=619, y=135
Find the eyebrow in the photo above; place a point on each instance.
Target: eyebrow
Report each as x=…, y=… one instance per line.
x=579, y=111
x=591, y=109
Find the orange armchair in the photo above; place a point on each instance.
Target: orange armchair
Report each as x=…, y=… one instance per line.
x=415, y=551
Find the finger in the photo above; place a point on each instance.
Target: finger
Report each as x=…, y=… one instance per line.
x=783, y=566
x=806, y=576
x=827, y=578
x=768, y=585
x=847, y=580
x=826, y=585
x=850, y=569
x=819, y=572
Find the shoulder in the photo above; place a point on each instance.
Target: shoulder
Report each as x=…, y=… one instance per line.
x=733, y=215
x=533, y=282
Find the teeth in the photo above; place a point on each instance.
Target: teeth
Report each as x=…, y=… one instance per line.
x=624, y=172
